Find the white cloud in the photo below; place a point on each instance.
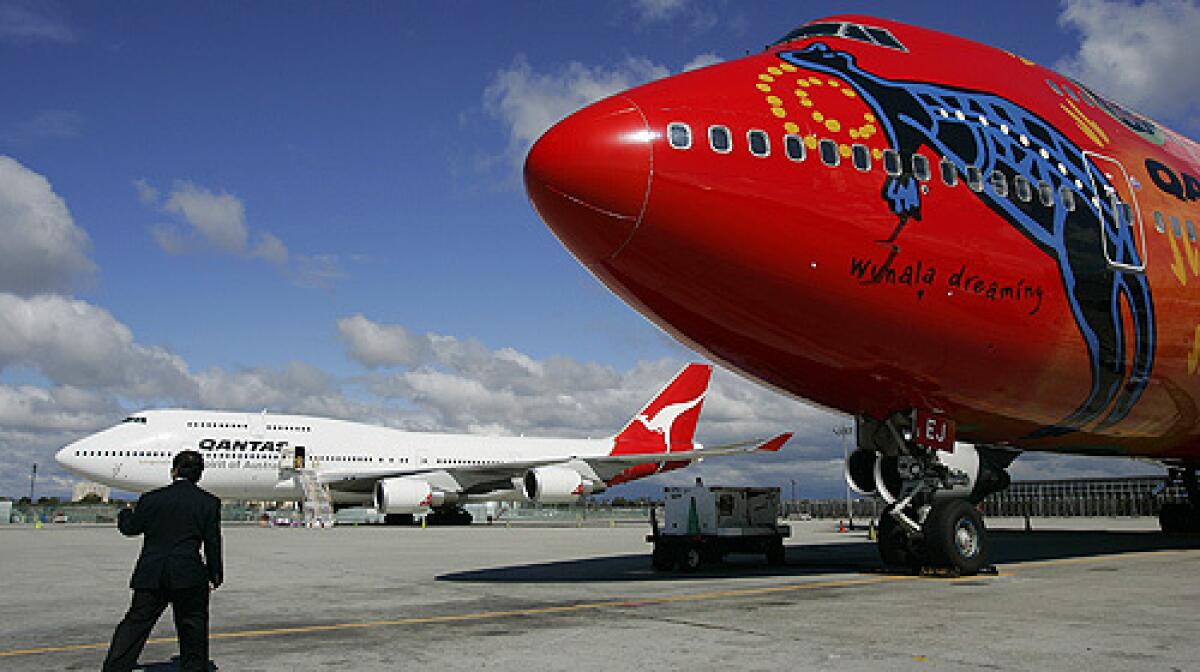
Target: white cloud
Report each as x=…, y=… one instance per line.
x=702, y=61
x=658, y=10
x=377, y=345
x=25, y=22
x=217, y=222
x=529, y=102
x=1141, y=55
x=61, y=408
x=271, y=249
x=42, y=250
x=147, y=193
x=45, y=125
x=74, y=343
x=219, y=219
x=695, y=15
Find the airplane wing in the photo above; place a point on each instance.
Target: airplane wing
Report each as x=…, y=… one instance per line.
x=488, y=477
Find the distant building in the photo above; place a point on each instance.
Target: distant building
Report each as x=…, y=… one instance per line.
x=84, y=488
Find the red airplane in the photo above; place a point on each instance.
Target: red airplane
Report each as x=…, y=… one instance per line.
x=972, y=254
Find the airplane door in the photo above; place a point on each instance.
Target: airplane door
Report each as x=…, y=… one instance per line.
x=1121, y=219
x=298, y=458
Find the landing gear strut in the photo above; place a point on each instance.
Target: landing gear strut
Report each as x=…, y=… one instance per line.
x=930, y=520
x=1182, y=517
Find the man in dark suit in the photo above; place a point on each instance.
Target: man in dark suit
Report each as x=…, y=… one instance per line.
x=176, y=520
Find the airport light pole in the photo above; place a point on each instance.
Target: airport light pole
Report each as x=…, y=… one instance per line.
x=32, y=481
x=843, y=432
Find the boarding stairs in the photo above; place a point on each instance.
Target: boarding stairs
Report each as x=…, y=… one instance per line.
x=318, y=503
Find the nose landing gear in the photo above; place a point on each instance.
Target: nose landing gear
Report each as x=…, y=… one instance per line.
x=930, y=521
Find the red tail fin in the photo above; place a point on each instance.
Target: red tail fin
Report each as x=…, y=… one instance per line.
x=668, y=423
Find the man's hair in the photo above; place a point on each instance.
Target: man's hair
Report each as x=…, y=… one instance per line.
x=188, y=464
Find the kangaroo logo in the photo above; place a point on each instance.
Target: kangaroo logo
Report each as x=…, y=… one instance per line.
x=1092, y=244
x=664, y=421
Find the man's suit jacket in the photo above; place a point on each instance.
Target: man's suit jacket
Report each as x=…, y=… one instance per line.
x=176, y=520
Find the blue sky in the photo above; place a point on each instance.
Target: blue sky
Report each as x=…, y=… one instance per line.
x=316, y=207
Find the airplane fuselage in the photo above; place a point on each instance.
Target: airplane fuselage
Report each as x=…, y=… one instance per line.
x=881, y=222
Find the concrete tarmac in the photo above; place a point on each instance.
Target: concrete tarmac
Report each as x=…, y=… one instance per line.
x=1100, y=594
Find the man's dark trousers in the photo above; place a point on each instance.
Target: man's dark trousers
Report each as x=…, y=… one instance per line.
x=190, y=609
x=176, y=521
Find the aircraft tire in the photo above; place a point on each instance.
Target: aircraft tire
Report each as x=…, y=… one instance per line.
x=894, y=547
x=956, y=537
x=1178, y=518
x=396, y=519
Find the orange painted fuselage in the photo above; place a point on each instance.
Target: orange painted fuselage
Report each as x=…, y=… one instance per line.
x=1055, y=311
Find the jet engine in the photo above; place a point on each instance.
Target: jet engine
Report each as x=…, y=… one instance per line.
x=555, y=485
x=985, y=469
x=403, y=495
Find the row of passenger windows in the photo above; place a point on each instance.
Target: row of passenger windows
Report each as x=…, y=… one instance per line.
x=1160, y=225
x=121, y=453
x=234, y=425
x=831, y=153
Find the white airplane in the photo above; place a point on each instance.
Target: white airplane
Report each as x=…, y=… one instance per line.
x=264, y=456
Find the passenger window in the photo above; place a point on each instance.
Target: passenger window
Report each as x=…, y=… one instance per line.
x=719, y=139
x=891, y=163
x=759, y=145
x=1175, y=227
x=861, y=156
x=829, y=153
x=1046, y=194
x=975, y=178
x=1068, y=198
x=793, y=146
x=1022, y=188
x=999, y=183
x=920, y=166
x=679, y=135
x=949, y=173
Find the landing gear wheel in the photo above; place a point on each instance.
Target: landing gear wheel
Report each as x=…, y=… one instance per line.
x=895, y=548
x=662, y=559
x=398, y=519
x=690, y=558
x=955, y=536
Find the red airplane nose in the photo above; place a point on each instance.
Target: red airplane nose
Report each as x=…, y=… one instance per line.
x=589, y=176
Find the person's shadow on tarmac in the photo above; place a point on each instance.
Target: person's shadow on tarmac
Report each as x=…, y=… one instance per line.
x=171, y=665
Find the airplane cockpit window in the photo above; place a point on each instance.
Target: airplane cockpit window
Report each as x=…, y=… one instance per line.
x=679, y=135
x=134, y=418
x=851, y=31
x=1175, y=227
x=855, y=33
x=1068, y=199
